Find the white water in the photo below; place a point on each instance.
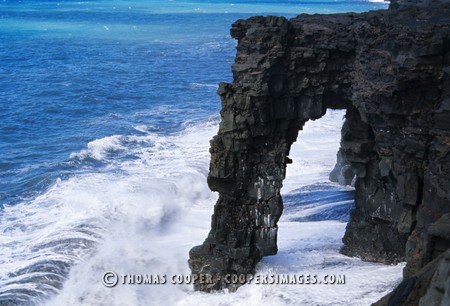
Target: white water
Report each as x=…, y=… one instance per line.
x=142, y=215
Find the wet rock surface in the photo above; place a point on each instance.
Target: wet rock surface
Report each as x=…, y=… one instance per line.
x=428, y=287
x=390, y=70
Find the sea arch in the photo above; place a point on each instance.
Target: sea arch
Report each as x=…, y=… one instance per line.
x=288, y=72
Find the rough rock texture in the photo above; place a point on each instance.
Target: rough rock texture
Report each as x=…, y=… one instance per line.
x=428, y=287
x=342, y=172
x=390, y=70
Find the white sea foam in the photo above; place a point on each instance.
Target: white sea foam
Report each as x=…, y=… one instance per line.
x=98, y=149
x=145, y=128
x=200, y=85
x=142, y=215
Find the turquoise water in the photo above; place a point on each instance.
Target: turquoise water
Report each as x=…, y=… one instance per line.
x=92, y=87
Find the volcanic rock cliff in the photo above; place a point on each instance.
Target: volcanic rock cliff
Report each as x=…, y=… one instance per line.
x=390, y=71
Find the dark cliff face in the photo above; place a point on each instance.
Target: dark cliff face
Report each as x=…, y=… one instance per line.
x=390, y=71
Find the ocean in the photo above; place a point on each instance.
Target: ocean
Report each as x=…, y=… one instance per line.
x=106, y=112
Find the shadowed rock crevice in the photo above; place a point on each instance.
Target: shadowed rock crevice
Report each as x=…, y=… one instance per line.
x=390, y=70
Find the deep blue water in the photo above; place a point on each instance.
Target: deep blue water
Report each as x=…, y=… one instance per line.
x=75, y=71
x=319, y=202
x=66, y=79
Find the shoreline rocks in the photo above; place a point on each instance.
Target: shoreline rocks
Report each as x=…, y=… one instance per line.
x=390, y=71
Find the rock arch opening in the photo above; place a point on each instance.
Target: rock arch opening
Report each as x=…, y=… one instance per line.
x=314, y=154
x=314, y=186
